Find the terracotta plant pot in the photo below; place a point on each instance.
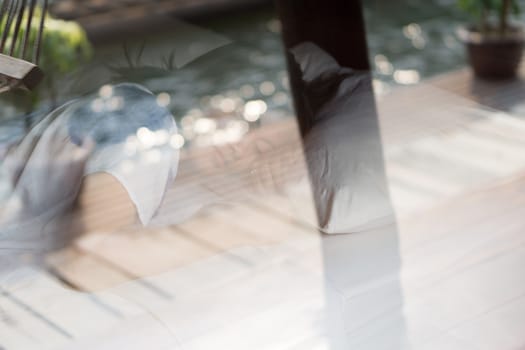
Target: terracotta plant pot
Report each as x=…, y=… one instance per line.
x=492, y=55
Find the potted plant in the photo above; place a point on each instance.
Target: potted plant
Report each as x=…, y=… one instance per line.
x=494, y=44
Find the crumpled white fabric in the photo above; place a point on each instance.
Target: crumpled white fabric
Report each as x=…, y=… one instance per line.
x=120, y=130
x=343, y=148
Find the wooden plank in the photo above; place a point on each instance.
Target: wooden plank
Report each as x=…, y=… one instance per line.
x=50, y=303
x=19, y=329
x=501, y=95
x=144, y=253
x=22, y=72
x=85, y=272
x=104, y=204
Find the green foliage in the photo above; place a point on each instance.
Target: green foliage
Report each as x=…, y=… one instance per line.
x=65, y=47
x=485, y=10
x=64, y=44
x=475, y=7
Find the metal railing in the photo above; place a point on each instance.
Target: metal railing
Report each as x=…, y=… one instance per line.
x=22, y=25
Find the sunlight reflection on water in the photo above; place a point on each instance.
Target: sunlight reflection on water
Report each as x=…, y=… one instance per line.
x=247, y=81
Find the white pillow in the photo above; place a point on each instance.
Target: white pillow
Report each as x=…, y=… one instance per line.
x=343, y=148
x=120, y=130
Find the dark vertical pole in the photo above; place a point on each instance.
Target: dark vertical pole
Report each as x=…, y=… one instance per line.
x=368, y=259
x=337, y=26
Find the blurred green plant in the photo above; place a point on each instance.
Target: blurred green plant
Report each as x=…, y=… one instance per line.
x=65, y=47
x=492, y=15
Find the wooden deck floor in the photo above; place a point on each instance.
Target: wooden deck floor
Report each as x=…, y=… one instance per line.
x=446, y=275
x=437, y=148
x=500, y=95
